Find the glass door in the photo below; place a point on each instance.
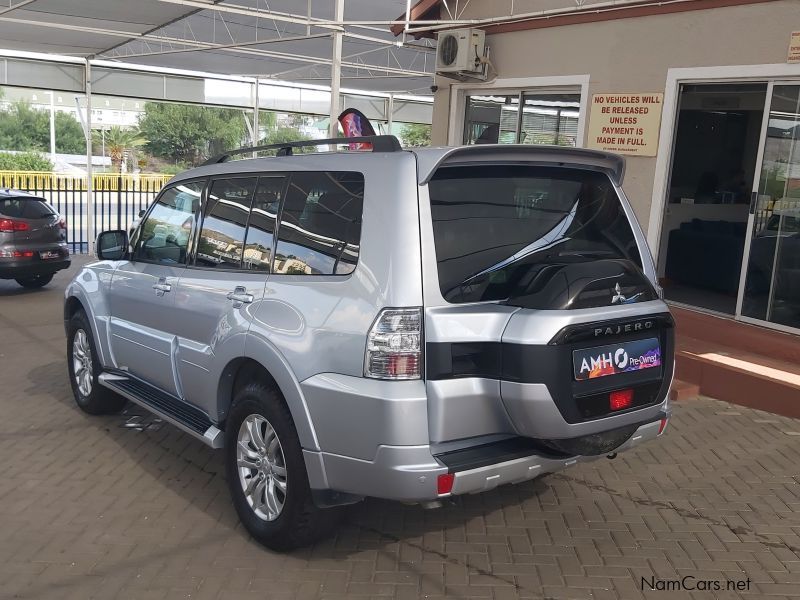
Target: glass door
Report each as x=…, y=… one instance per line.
x=770, y=294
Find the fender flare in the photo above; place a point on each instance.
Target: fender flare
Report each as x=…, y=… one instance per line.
x=261, y=351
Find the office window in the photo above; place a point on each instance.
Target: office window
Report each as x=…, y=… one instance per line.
x=320, y=227
x=165, y=233
x=491, y=119
x=547, y=117
x=261, y=228
x=550, y=119
x=221, y=240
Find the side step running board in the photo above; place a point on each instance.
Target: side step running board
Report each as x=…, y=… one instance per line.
x=190, y=419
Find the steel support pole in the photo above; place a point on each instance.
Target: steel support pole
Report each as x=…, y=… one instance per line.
x=389, y=113
x=336, y=72
x=91, y=234
x=52, y=127
x=256, y=103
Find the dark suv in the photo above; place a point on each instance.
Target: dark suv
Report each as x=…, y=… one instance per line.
x=33, y=239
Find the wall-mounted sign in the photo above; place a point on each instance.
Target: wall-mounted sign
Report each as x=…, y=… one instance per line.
x=794, y=48
x=625, y=123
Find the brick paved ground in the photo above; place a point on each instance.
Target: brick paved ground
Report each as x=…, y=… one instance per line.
x=121, y=507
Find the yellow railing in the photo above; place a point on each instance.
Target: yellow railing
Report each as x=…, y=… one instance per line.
x=44, y=180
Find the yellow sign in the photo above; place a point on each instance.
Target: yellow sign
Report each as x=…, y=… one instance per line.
x=794, y=48
x=625, y=123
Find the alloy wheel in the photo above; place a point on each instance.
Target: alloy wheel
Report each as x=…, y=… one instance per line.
x=262, y=467
x=82, y=362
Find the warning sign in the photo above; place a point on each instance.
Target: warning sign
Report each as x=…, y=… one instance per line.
x=625, y=123
x=794, y=48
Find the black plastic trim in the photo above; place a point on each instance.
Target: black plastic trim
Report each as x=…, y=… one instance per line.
x=485, y=455
x=551, y=364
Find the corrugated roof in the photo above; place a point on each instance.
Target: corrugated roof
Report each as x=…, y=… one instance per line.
x=221, y=36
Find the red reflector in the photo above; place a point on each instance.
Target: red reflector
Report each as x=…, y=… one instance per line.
x=620, y=399
x=10, y=225
x=403, y=365
x=444, y=483
x=662, y=426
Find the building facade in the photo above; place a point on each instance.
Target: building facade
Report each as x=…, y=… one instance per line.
x=704, y=98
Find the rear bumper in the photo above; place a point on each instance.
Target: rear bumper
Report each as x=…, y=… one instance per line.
x=28, y=267
x=481, y=479
x=410, y=473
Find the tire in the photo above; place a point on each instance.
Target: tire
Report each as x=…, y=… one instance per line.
x=83, y=368
x=35, y=281
x=295, y=522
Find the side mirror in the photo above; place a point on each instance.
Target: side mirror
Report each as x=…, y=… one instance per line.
x=112, y=245
x=141, y=213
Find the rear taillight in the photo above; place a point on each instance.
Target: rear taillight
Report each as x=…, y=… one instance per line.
x=62, y=224
x=394, y=345
x=16, y=253
x=10, y=226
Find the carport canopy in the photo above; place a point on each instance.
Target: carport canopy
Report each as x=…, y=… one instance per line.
x=334, y=43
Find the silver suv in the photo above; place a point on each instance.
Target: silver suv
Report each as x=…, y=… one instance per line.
x=404, y=324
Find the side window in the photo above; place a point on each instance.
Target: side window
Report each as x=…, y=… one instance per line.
x=165, y=233
x=261, y=228
x=221, y=242
x=320, y=228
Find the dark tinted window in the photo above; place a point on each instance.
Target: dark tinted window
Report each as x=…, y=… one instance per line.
x=25, y=208
x=320, y=228
x=496, y=227
x=221, y=240
x=261, y=228
x=165, y=232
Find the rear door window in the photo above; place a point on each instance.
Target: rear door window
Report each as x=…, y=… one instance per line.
x=320, y=226
x=221, y=242
x=260, y=234
x=496, y=226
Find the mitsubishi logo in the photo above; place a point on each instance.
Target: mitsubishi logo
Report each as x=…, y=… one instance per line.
x=620, y=298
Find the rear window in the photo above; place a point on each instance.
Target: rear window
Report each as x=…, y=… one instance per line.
x=496, y=226
x=25, y=208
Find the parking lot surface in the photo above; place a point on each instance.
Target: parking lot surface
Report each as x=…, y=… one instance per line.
x=128, y=507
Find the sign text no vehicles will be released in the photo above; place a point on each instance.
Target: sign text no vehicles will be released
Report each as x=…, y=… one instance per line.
x=625, y=123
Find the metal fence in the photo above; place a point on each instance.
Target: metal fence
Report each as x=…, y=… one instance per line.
x=118, y=198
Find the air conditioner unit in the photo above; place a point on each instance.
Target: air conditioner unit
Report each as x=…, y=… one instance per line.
x=459, y=53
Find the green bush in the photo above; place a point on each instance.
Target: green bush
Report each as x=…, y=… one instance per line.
x=169, y=169
x=24, y=161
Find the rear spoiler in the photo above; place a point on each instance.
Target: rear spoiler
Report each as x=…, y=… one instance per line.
x=611, y=164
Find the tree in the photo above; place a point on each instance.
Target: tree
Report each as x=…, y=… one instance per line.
x=416, y=134
x=282, y=135
x=188, y=133
x=118, y=141
x=24, y=128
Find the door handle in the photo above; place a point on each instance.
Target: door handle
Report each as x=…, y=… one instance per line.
x=162, y=286
x=240, y=296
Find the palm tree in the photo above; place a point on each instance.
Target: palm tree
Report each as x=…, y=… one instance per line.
x=118, y=141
